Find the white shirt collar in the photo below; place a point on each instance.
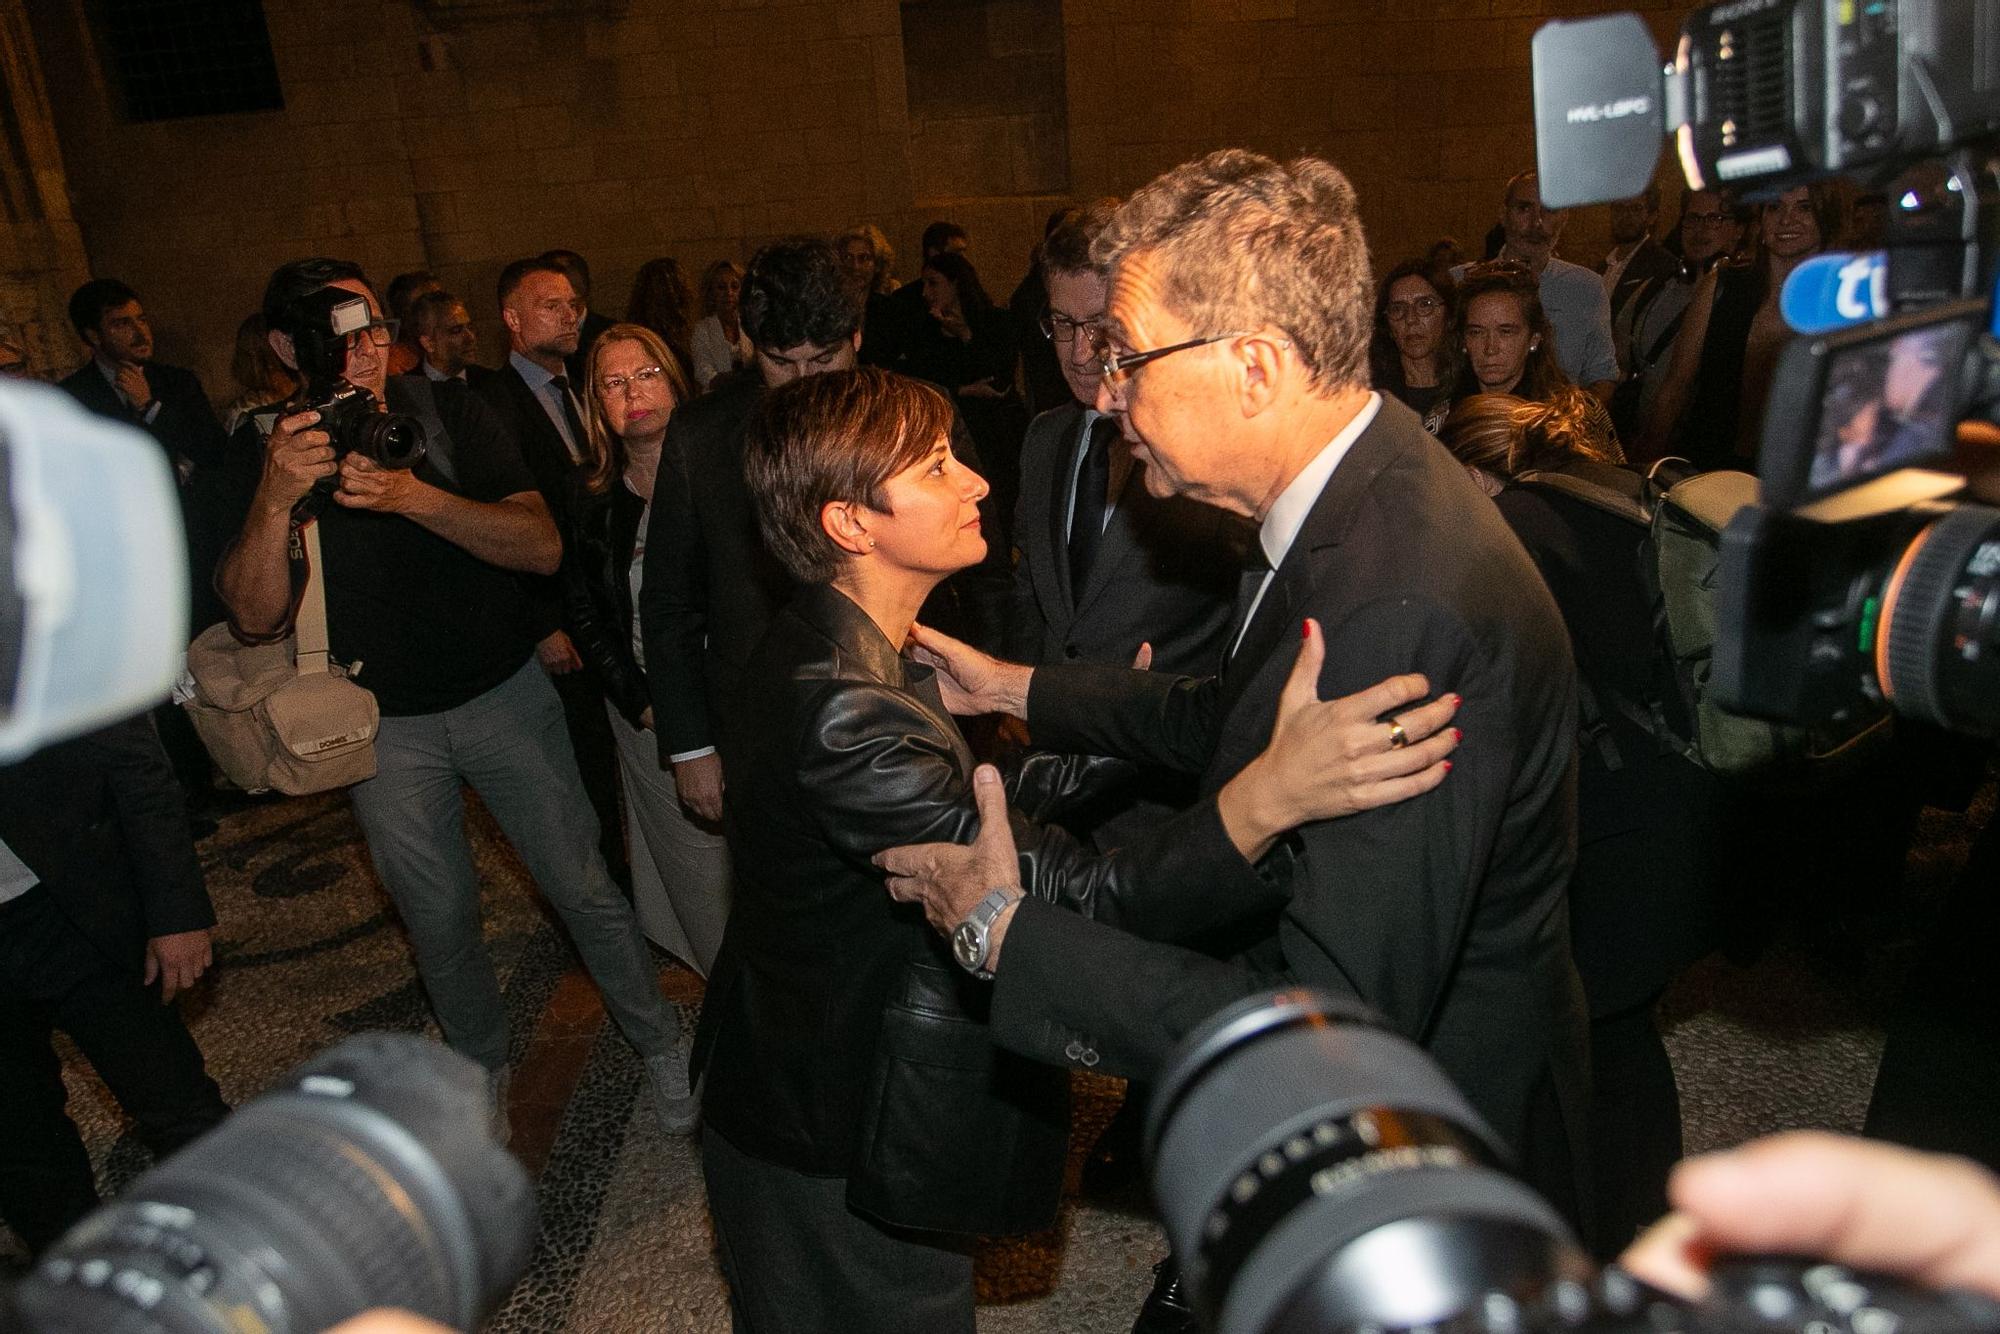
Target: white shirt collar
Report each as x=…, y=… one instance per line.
x=1288, y=512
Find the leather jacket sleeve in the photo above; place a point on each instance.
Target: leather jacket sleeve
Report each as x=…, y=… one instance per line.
x=1046, y=784
x=591, y=610
x=880, y=774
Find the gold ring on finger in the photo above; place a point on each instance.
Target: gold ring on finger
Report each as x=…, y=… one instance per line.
x=1398, y=738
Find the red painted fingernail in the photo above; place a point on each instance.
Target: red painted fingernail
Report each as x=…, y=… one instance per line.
x=1457, y=700
x=1305, y=629
x=1457, y=735
x=1447, y=766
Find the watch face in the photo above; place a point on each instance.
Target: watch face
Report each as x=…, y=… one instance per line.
x=968, y=945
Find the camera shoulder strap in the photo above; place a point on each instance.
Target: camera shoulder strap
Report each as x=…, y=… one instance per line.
x=310, y=650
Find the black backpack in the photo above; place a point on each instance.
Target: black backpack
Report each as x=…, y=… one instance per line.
x=1682, y=514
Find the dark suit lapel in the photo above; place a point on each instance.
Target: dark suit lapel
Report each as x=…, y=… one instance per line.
x=1062, y=469
x=95, y=392
x=1121, y=548
x=1274, y=629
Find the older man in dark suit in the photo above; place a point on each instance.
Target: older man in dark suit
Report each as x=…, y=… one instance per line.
x=1235, y=358
x=101, y=902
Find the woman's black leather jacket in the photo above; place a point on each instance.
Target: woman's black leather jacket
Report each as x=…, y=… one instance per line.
x=597, y=591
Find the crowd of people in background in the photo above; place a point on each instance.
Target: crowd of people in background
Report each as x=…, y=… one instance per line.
x=587, y=606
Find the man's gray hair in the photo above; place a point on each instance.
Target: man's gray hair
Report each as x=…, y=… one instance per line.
x=1243, y=241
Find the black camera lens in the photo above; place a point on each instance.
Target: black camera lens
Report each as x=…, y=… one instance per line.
x=391, y=439
x=368, y=1180
x=1318, y=1172
x=1938, y=647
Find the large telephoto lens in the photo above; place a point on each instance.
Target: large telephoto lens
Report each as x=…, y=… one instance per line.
x=1318, y=1173
x=368, y=1179
x=1937, y=652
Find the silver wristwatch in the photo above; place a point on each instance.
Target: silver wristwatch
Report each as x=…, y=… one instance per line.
x=972, y=939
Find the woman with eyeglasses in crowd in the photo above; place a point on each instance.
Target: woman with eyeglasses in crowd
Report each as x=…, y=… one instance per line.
x=680, y=870
x=1412, y=317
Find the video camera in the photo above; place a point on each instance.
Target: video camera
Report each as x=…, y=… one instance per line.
x=320, y=324
x=1857, y=582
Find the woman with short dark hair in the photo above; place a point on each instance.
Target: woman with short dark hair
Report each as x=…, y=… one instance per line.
x=854, y=1105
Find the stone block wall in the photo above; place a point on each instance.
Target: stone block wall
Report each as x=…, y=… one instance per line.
x=1425, y=104
x=459, y=134
x=459, y=137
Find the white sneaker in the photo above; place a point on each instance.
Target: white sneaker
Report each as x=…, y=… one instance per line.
x=497, y=1084
x=674, y=1101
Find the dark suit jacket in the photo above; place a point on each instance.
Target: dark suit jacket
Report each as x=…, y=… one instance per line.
x=1446, y=913
x=1167, y=572
x=710, y=587
x=185, y=425
x=101, y=820
x=547, y=458
x=541, y=444
x=1651, y=260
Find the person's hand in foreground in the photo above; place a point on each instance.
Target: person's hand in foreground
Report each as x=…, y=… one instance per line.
x=1925, y=1217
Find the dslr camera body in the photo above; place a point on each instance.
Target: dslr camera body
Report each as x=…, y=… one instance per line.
x=1862, y=581
x=320, y=325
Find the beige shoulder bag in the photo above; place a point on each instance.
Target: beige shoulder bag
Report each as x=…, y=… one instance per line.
x=282, y=715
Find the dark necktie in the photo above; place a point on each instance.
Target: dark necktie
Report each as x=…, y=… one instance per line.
x=576, y=436
x=1093, y=486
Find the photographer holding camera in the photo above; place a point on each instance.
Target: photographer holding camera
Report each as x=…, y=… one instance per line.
x=424, y=600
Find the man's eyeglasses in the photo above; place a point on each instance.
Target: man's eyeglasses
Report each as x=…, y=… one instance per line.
x=380, y=332
x=646, y=377
x=1062, y=329
x=1417, y=307
x=1118, y=367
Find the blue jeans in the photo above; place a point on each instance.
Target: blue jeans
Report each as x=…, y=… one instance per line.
x=511, y=746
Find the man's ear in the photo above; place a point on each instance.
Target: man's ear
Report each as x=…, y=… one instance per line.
x=1261, y=363
x=93, y=340
x=856, y=338
x=511, y=318
x=841, y=521
x=281, y=343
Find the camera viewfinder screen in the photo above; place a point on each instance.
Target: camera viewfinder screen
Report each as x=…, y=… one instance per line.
x=1888, y=405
